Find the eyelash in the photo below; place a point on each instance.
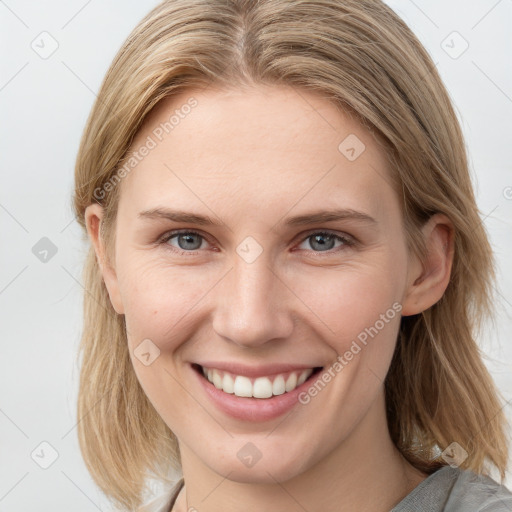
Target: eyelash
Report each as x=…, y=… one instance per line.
x=347, y=241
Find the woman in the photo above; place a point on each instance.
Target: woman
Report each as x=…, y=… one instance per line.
x=287, y=270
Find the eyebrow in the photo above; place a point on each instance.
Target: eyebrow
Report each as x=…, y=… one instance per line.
x=313, y=217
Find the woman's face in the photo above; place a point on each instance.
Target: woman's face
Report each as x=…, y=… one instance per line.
x=292, y=257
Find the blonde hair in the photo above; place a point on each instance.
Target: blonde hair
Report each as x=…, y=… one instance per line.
x=363, y=58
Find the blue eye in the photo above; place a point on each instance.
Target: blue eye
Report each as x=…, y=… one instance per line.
x=187, y=240
x=320, y=241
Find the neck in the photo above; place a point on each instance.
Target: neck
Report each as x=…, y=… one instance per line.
x=365, y=472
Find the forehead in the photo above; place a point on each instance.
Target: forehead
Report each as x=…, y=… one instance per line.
x=255, y=148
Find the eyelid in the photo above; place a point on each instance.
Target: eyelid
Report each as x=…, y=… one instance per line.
x=348, y=239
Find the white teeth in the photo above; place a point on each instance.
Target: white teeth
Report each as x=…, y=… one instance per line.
x=291, y=382
x=278, y=387
x=243, y=386
x=228, y=384
x=217, y=380
x=303, y=376
x=263, y=387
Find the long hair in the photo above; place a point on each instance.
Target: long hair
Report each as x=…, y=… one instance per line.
x=363, y=58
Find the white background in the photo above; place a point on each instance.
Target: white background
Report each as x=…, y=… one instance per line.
x=44, y=105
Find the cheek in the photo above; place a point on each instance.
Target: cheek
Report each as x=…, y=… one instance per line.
x=357, y=311
x=347, y=300
x=159, y=299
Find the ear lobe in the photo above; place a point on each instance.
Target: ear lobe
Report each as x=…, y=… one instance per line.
x=428, y=282
x=93, y=219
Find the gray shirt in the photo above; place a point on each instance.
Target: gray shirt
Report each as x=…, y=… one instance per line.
x=446, y=490
x=454, y=490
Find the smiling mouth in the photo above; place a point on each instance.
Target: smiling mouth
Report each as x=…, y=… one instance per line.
x=260, y=387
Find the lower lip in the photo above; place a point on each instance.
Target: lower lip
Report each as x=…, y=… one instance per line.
x=253, y=409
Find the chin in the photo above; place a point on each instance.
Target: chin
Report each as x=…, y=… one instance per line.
x=279, y=467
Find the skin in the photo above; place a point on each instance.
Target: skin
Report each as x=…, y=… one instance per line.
x=251, y=158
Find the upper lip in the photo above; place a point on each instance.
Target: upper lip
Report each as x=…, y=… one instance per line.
x=255, y=370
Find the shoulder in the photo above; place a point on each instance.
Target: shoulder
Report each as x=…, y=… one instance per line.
x=165, y=499
x=481, y=493
x=447, y=490
x=456, y=490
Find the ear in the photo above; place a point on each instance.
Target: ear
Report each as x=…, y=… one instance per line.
x=427, y=283
x=93, y=218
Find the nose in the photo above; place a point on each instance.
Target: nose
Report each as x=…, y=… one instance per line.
x=252, y=305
